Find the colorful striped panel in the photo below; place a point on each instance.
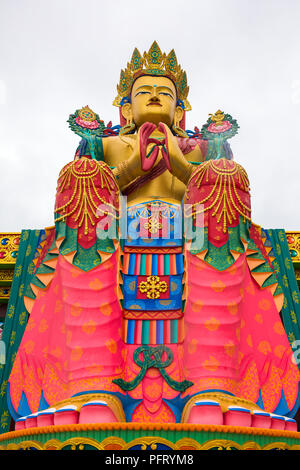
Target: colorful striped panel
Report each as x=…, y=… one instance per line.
x=153, y=331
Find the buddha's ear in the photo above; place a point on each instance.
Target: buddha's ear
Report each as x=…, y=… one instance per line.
x=178, y=115
x=126, y=111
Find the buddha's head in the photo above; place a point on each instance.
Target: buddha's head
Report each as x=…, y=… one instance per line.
x=152, y=99
x=152, y=88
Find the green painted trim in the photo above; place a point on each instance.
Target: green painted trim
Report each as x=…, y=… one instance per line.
x=166, y=265
x=145, y=331
x=143, y=265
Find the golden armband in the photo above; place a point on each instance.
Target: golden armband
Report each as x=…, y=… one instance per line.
x=185, y=174
x=123, y=174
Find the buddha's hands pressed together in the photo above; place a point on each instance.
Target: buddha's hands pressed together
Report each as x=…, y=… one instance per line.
x=175, y=160
x=152, y=144
x=145, y=154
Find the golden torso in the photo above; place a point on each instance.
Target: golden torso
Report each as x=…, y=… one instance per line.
x=166, y=186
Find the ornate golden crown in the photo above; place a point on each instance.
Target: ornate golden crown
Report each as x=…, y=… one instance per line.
x=153, y=62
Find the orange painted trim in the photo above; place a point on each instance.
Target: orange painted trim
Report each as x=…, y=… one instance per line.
x=153, y=250
x=51, y=263
x=45, y=278
x=261, y=277
x=148, y=266
x=150, y=427
x=152, y=314
x=173, y=269
x=28, y=302
x=125, y=263
x=254, y=263
x=152, y=332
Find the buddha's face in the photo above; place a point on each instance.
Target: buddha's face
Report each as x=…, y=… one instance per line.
x=153, y=99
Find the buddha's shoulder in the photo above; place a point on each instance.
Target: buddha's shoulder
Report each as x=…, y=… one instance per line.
x=116, y=142
x=117, y=148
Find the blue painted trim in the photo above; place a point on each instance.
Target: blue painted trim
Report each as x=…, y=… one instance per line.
x=295, y=408
x=154, y=265
x=206, y=403
x=62, y=410
x=260, y=402
x=160, y=331
x=130, y=331
x=131, y=264
x=179, y=263
x=282, y=407
x=212, y=390
x=15, y=416
x=238, y=408
x=281, y=418
x=93, y=403
x=43, y=403
x=262, y=413
x=176, y=405
x=24, y=408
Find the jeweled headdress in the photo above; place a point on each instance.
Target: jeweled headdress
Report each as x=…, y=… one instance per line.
x=153, y=62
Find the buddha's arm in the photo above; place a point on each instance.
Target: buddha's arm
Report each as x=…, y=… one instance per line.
x=126, y=172
x=195, y=156
x=123, y=155
x=190, y=163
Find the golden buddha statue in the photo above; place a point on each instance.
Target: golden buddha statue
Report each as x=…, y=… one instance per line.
x=152, y=99
x=151, y=328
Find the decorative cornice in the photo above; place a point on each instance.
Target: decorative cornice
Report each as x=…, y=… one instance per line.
x=149, y=427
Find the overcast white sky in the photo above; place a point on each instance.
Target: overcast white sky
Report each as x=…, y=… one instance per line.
x=59, y=55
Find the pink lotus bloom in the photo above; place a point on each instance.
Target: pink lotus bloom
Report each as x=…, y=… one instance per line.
x=88, y=124
x=218, y=129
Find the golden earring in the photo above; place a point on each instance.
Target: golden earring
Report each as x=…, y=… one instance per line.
x=177, y=130
x=129, y=127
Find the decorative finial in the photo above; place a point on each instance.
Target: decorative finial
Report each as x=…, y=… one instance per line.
x=218, y=117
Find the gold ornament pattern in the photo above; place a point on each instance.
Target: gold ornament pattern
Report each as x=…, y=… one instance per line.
x=84, y=203
x=6, y=276
x=293, y=239
x=153, y=287
x=4, y=293
x=9, y=245
x=224, y=198
x=153, y=225
x=86, y=114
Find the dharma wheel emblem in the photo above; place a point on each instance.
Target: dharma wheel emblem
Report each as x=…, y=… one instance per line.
x=153, y=287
